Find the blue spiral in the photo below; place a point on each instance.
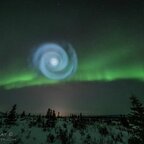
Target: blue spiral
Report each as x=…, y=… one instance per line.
x=55, y=61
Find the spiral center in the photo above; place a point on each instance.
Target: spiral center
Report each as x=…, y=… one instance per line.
x=54, y=61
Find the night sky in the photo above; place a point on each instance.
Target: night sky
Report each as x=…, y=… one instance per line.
x=108, y=37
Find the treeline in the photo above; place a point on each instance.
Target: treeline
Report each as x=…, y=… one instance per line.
x=134, y=122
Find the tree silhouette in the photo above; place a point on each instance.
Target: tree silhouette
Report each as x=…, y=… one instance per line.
x=49, y=114
x=137, y=121
x=53, y=115
x=58, y=115
x=23, y=114
x=50, y=118
x=11, y=117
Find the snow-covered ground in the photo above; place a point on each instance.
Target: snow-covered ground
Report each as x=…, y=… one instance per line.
x=62, y=131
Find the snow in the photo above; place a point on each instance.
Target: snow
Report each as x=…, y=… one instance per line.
x=64, y=132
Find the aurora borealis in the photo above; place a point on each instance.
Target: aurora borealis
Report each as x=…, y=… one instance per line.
x=107, y=36
x=105, y=66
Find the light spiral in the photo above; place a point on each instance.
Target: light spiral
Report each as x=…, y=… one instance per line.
x=55, y=61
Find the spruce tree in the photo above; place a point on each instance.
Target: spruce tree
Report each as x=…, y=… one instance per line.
x=49, y=114
x=11, y=117
x=23, y=114
x=137, y=121
x=53, y=115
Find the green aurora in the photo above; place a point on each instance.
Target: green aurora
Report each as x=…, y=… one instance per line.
x=104, y=66
x=109, y=42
